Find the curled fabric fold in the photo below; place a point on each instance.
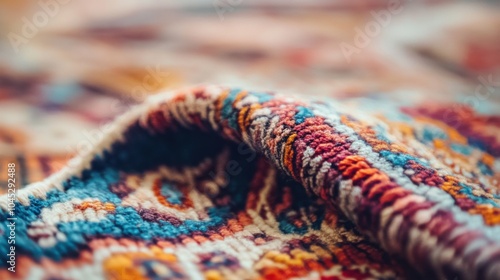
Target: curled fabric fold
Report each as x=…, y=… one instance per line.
x=223, y=183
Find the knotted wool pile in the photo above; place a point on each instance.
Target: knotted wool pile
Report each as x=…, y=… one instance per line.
x=223, y=183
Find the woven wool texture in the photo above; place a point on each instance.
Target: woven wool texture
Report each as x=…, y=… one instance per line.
x=224, y=183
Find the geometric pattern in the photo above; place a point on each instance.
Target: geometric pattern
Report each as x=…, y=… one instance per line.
x=224, y=183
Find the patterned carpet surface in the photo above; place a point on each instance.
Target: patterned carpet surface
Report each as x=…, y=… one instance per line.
x=214, y=182
x=251, y=141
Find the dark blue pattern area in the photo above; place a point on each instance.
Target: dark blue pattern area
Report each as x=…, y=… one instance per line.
x=141, y=151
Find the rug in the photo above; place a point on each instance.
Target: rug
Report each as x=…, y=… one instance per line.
x=65, y=84
x=342, y=140
x=213, y=182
